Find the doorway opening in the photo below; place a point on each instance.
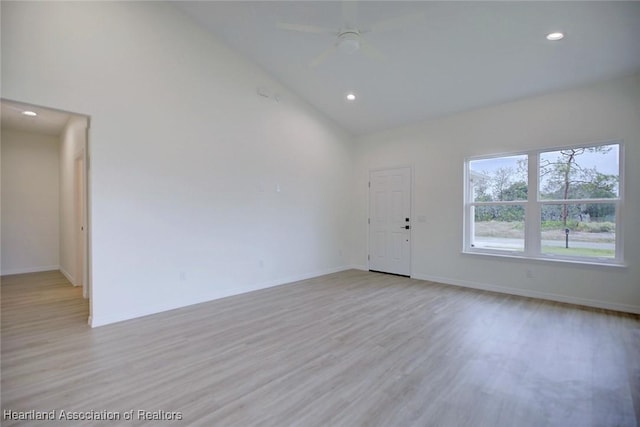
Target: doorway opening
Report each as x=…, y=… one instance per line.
x=46, y=193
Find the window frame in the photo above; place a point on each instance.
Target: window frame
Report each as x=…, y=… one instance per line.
x=533, y=209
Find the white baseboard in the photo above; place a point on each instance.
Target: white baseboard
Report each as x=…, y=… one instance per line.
x=96, y=321
x=118, y=317
x=69, y=277
x=532, y=294
x=30, y=270
x=299, y=277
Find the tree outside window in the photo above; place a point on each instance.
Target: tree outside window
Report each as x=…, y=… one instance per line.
x=575, y=200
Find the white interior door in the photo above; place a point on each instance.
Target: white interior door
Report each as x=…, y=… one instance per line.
x=80, y=226
x=390, y=221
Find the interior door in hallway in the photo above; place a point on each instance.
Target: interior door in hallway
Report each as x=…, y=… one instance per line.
x=390, y=221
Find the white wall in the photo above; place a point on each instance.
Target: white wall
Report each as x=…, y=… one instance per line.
x=29, y=202
x=185, y=156
x=72, y=143
x=437, y=149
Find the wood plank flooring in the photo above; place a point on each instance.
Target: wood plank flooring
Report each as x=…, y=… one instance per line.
x=348, y=349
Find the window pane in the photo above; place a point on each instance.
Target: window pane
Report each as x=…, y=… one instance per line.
x=498, y=179
x=580, y=173
x=498, y=227
x=591, y=230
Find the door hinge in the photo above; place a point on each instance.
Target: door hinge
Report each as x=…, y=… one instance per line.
x=369, y=184
x=368, y=220
x=368, y=257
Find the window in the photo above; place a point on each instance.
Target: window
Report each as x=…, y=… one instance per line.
x=556, y=204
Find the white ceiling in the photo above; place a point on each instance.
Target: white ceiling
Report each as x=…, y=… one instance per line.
x=47, y=122
x=455, y=56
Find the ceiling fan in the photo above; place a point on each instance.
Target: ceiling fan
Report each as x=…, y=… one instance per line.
x=349, y=37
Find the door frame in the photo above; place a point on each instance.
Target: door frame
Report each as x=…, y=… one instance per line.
x=82, y=237
x=86, y=276
x=411, y=211
x=80, y=196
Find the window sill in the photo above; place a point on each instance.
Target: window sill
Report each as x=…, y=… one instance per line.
x=552, y=260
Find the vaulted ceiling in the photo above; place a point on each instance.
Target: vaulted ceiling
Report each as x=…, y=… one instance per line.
x=427, y=59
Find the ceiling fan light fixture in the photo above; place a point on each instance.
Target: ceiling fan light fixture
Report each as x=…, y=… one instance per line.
x=349, y=42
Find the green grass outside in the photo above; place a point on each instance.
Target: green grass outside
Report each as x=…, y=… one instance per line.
x=589, y=227
x=584, y=252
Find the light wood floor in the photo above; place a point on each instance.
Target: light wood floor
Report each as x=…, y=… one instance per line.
x=348, y=349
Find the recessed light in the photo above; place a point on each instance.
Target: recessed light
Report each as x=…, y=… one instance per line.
x=555, y=36
x=30, y=113
x=351, y=97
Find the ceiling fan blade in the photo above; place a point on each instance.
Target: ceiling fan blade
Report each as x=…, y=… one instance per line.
x=306, y=28
x=322, y=57
x=397, y=23
x=371, y=51
x=349, y=13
